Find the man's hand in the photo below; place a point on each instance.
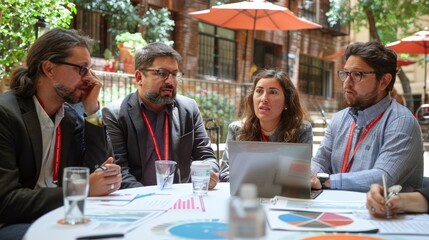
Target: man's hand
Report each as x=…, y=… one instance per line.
x=90, y=100
x=376, y=204
x=315, y=182
x=105, y=179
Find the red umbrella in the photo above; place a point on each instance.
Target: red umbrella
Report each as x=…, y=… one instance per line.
x=415, y=44
x=404, y=62
x=253, y=15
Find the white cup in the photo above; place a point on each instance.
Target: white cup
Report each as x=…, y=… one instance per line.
x=200, y=175
x=165, y=173
x=75, y=190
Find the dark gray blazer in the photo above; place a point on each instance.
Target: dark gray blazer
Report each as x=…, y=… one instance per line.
x=21, y=157
x=128, y=134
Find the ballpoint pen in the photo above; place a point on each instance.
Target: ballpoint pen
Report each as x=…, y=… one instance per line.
x=166, y=178
x=386, y=197
x=101, y=236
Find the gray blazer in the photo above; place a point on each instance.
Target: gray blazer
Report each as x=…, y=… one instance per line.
x=21, y=157
x=128, y=135
x=305, y=135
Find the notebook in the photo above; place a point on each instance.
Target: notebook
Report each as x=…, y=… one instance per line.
x=277, y=169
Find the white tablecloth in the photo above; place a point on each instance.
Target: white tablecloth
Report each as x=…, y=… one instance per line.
x=184, y=223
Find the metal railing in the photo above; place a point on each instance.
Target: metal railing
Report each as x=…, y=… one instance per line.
x=218, y=101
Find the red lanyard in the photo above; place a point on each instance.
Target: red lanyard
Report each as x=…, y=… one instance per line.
x=152, y=135
x=57, y=153
x=348, y=164
x=57, y=149
x=263, y=137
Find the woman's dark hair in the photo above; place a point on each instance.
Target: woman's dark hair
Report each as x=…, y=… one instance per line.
x=291, y=119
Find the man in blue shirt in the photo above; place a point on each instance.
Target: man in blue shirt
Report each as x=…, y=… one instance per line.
x=375, y=135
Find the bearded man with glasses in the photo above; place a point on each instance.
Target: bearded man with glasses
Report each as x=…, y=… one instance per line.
x=375, y=135
x=41, y=133
x=156, y=123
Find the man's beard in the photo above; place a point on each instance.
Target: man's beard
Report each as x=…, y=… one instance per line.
x=364, y=102
x=156, y=98
x=68, y=95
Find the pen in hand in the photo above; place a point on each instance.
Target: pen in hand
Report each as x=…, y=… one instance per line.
x=386, y=197
x=100, y=168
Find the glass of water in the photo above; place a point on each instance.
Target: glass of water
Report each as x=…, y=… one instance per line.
x=165, y=173
x=200, y=175
x=75, y=190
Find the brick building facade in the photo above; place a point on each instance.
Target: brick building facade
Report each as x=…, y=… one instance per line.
x=217, y=54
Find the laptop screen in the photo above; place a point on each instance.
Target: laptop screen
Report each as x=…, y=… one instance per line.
x=277, y=169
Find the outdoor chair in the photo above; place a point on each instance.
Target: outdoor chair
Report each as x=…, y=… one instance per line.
x=422, y=115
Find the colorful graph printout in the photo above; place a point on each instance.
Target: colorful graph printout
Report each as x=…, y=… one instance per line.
x=193, y=229
x=191, y=203
x=317, y=221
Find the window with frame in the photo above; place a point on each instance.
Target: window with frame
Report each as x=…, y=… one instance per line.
x=95, y=25
x=216, y=52
x=315, y=76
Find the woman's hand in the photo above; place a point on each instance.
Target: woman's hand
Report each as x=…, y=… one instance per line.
x=214, y=179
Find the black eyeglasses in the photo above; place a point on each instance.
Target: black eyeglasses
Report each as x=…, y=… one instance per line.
x=355, y=75
x=82, y=69
x=163, y=73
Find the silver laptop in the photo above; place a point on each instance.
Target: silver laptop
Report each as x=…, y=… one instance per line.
x=277, y=169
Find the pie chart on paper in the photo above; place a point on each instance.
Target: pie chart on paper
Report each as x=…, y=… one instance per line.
x=315, y=220
x=318, y=222
x=198, y=229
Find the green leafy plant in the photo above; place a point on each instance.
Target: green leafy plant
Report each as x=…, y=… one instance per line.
x=217, y=107
x=108, y=54
x=17, y=20
x=158, y=26
x=132, y=41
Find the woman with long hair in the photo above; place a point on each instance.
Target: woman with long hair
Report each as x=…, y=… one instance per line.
x=272, y=112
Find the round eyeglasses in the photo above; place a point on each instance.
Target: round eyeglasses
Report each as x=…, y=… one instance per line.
x=82, y=69
x=355, y=75
x=163, y=73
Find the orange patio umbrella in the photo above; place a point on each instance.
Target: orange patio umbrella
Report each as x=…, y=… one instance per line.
x=415, y=44
x=253, y=15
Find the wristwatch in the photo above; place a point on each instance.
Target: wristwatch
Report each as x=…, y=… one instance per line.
x=322, y=178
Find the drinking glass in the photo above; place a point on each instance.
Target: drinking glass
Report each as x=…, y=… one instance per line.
x=200, y=175
x=75, y=190
x=165, y=173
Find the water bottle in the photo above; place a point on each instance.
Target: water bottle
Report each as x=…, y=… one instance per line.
x=246, y=215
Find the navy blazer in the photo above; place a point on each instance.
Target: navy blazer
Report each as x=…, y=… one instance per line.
x=21, y=157
x=128, y=135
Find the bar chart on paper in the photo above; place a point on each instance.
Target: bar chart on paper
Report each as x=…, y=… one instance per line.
x=194, y=203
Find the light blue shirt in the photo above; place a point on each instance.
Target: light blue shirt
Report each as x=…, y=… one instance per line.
x=393, y=147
